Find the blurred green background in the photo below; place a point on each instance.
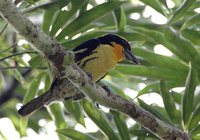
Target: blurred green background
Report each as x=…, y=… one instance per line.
x=164, y=35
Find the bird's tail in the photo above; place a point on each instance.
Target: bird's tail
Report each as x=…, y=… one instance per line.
x=36, y=103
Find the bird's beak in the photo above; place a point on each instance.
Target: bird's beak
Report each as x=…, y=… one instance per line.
x=129, y=56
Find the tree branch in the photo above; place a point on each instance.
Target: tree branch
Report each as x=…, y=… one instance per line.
x=63, y=67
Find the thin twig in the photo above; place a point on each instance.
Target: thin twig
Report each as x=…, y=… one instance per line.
x=8, y=48
x=43, y=5
x=3, y=29
x=16, y=54
x=18, y=67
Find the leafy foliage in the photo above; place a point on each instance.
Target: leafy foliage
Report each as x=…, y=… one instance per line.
x=71, y=23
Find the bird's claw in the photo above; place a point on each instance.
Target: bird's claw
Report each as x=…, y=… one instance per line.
x=107, y=89
x=97, y=105
x=89, y=75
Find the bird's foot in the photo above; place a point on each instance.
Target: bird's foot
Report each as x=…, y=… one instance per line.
x=97, y=105
x=107, y=89
x=90, y=76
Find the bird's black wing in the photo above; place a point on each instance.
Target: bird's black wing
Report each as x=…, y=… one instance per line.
x=85, y=49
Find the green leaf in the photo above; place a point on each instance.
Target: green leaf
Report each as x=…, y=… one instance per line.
x=155, y=112
x=192, y=35
x=75, y=135
x=116, y=88
x=63, y=16
x=196, y=130
x=120, y=19
x=177, y=97
x=33, y=88
x=2, y=82
x=196, y=97
x=31, y=2
x=20, y=61
x=99, y=119
x=87, y=17
x=155, y=86
x=59, y=19
x=84, y=7
x=23, y=125
x=121, y=125
x=14, y=72
x=143, y=133
x=39, y=6
x=195, y=137
x=48, y=16
x=74, y=109
x=152, y=72
x=152, y=87
x=134, y=36
x=195, y=119
x=36, y=61
x=180, y=12
x=48, y=81
x=56, y=112
x=188, y=96
x=50, y=13
x=194, y=20
x=148, y=34
x=159, y=38
x=188, y=51
x=160, y=60
x=155, y=4
x=18, y=75
x=169, y=102
x=195, y=5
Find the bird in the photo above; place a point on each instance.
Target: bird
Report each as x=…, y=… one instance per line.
x=96, y=57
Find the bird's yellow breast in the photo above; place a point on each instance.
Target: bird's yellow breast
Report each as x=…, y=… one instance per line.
x=100, y=62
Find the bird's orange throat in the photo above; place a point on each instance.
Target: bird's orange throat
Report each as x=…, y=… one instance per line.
x=118, y=51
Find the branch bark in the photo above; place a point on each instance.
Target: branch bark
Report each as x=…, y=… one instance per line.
x=63, y=65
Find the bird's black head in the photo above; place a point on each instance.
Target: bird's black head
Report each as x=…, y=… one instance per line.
x=117, y=42
x=108, y=38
